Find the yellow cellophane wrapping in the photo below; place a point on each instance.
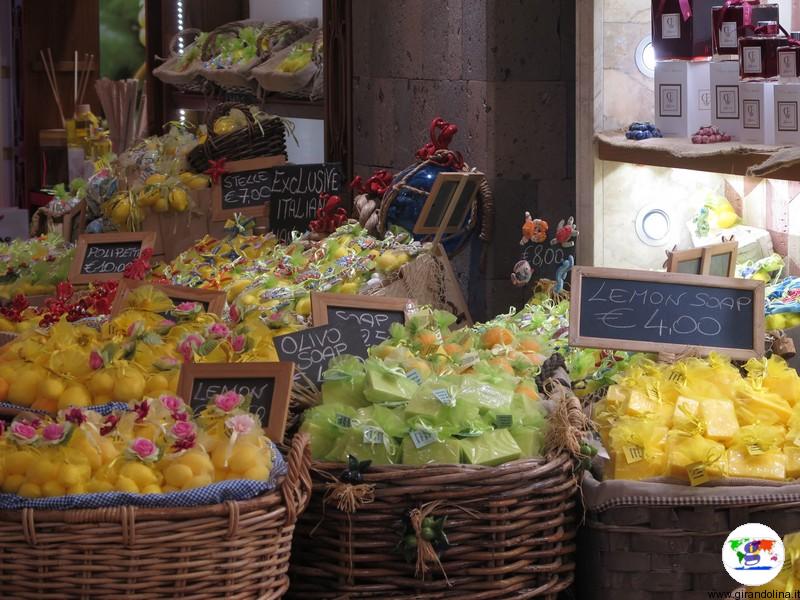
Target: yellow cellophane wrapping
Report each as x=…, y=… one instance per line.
x=684, y=450
x=719, y=418
x=644, y=433
x=755, y=452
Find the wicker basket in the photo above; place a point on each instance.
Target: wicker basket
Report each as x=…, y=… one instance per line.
x=265, y=137
x=189, y=79
x=661, y=541
x=511, y=527
x=231, y=550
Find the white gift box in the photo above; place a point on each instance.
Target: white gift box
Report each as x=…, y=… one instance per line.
x=725, y=103
x=787, y=109
x=683, y=97
x=758, y=113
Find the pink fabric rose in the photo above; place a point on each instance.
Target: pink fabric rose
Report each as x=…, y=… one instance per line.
x=96, y=360
x=241, y=424
x=144, y=449
x=189, y=344
x=219, y=330
x=171, y=403
x=228, y=401
x=75, y=415
x=181, y=415
x=24, y=432
x=186, y=306
x=238, y=342
x=182, y=429
x=234, y=314
x=54, y=432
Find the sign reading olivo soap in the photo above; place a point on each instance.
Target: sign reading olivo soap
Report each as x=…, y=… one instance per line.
x=101, y=256
x=295, y=195
x=244, y=188
x=267, y=385
x=374, y=315
x=312, y=349
x=753, y=554
x=646, y=311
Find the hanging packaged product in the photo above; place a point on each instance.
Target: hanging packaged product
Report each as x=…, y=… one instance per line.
x=682, y=29
x=736, y=19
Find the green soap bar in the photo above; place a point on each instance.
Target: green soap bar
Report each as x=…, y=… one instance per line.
x=491, y=449
x=349, y=393
x=388, y=419
x=323, y=438
x=423, y=406
x=440, y=453
x=387, y=388
x=352, y=443
x=530, y=440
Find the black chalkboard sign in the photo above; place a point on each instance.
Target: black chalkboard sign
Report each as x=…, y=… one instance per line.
x=295, y=192
x=546, y=258
x=106, y=255
x=244, y=187
x=312, y=349
x=373, y=315
x=267, y=384
x=666, y=312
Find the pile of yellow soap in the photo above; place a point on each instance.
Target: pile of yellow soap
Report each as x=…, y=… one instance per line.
x=701, y=419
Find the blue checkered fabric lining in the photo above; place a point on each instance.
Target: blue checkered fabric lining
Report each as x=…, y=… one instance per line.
x=215, y=493
x=103, y=409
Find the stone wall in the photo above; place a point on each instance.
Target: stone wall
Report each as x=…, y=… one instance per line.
x=504, y=71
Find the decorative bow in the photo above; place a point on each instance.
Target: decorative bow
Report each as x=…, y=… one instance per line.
x=330, y=216
x=686, y=8
x=375, y=185
x=240, y=225
x=747, y=9
x=216, y=170
x=438, y=149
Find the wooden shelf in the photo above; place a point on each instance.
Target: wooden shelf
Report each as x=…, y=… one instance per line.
x=291, y=108
x=729, y=158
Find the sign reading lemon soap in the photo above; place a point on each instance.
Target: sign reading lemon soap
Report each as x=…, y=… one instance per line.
x=753, y=554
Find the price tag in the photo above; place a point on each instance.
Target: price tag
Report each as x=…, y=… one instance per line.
x=525, y=320
x=755, y=450
x=373, y=436
x=414, y=376
x=343, y=421
x=422, y=438
x=438, y=335
x=633, y=454
x=443, y=396
x=697, y=474
x=503, y=421
x=469, y=359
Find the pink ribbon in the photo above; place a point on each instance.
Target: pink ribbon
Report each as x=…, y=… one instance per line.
x=747, y=9
x=685, y=6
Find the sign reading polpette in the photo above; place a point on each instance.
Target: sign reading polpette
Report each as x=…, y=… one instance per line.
x=106, y=255
x=753, y=554
x=312, y=349
x=267, y=385
x=645, y=311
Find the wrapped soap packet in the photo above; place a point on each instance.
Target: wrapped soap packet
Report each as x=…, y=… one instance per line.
x=637, y=448
x=387, y=385
x=343, y=382
x=755, y=452
x=366, y=442
x=491, y=449
x=325, y=424
x=389, y=420
x=529, y=439
x=438, y=405
x=694, y=457
x=782, y=380
x=424, y=446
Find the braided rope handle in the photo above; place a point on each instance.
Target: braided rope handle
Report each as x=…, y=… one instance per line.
x=296, y=486
x=208, y=47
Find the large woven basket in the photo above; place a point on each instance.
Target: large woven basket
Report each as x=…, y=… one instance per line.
x=512, y=530
x=263, y=137
x=233, y=550
x=662, y=541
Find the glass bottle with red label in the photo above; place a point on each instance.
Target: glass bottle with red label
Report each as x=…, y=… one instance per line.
x=758, y=54
x=733, y=21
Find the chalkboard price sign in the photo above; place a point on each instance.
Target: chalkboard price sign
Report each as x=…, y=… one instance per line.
x=647, y=311
x=546, y=258
x=244, y=187
x=372, y=314
x=267, y=384
x=106, y=255
x=295, y=192
x=312, y=349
